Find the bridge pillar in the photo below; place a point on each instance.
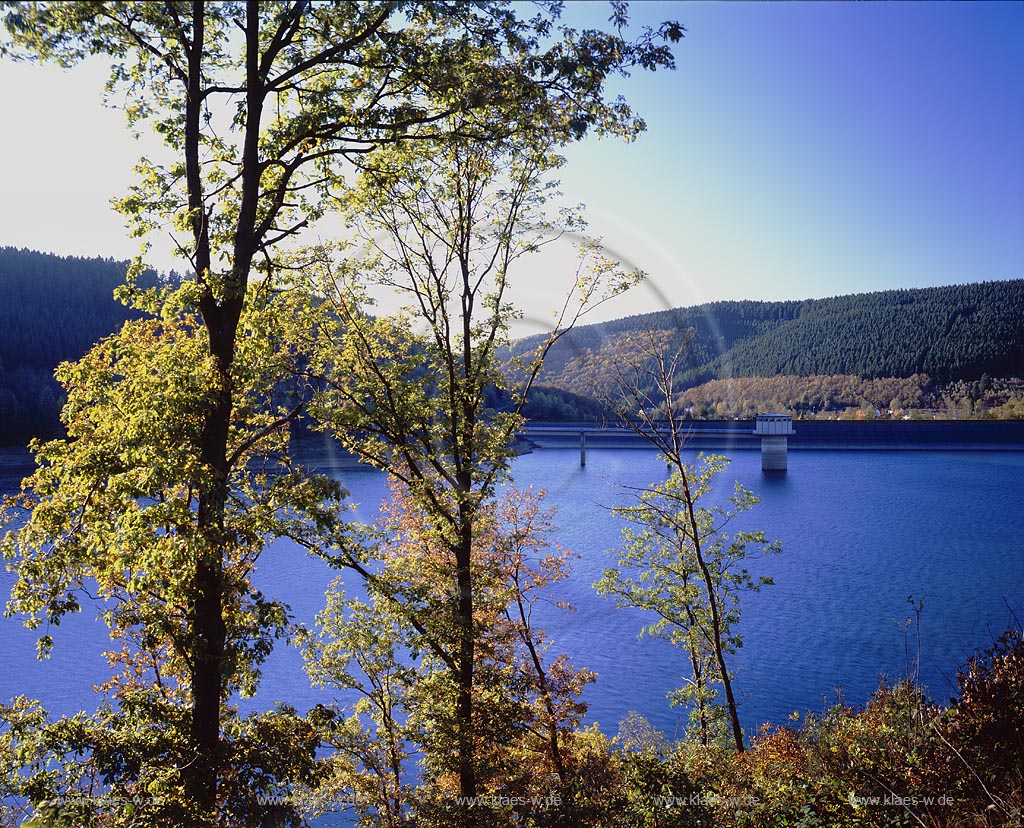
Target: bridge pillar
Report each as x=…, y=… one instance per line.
x=583, y=449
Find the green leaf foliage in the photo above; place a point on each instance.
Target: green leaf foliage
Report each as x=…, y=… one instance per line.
x=175, y=471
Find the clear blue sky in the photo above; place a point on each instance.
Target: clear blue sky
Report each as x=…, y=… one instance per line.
x=799, y=150
x=810, y=149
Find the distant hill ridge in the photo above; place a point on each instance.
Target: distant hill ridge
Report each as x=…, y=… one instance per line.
x=952, y=333
x=53, y=308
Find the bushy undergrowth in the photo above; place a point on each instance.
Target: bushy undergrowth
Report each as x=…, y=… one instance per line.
x=901, y=760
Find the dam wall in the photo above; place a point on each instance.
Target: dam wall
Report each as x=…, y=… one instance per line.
x=731, y=435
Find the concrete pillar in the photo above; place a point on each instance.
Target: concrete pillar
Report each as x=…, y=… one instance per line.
x=774, y=431
x=583, y=448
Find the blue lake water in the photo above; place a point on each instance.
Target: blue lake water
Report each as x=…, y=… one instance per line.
x=861, y=530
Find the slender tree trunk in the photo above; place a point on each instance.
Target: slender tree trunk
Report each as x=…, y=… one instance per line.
x=393, y=805
x=716, y=620
x=467, y=654
x=730, y=700
x=464, y=557
x=545, y=692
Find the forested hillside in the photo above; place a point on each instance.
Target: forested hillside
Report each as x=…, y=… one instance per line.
x=52, y=308
x=823, y=356
x=951, y=334
x=715, y=328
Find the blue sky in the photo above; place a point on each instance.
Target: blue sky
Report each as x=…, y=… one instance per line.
x=810, y=149
x=799, y=150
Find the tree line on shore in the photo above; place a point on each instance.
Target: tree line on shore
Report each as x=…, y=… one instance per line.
x=53, y=308
x=850, y=397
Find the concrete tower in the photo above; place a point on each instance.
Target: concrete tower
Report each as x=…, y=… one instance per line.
x=774, y=431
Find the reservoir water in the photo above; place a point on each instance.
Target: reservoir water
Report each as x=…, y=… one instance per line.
x=861, y=531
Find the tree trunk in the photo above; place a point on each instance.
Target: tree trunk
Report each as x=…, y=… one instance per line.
x=209, y=634
x=545, y=692
x=730, y=700
x=220, y=318
x=208, y=631
x=716, y=619
x=716, y=634
x=716, y=640
x=467, y=654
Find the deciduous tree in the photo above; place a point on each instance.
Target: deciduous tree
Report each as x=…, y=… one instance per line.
x=444, y=224
x=678, y=562
x=262, y=106
x=399, y=650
